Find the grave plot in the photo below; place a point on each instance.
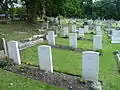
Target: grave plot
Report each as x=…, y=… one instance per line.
x=61, y=64
x=45, y=63
x=80, y=43
x=62, y=59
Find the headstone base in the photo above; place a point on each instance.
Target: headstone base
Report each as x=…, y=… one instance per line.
x=115, y=42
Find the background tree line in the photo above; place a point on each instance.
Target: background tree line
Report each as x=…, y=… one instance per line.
x=107, y=9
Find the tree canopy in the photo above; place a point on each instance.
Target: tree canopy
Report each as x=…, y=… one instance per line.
x=108, y=9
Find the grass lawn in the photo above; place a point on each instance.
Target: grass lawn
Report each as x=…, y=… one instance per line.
x=15, y=26
x=12, y=81
x=84, y=44
x=63, y=60
x=70, y=62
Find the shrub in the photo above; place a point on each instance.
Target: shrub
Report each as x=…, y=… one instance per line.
x=6, y=62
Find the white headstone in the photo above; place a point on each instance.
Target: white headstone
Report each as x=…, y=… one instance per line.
x=13, y=51
x=115, y=36
x=47, y=24
x=73, y=40
x=51, y=38
x=65, y=31
x=86, y=27
x=97, y=42
x=73, y=28
x=81, y=32
x=90, y=66
x=99, y=31
x=45, y=58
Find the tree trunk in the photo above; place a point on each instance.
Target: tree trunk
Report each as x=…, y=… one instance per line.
x=31, y=6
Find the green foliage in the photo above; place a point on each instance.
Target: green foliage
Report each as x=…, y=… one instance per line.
x=4, y=63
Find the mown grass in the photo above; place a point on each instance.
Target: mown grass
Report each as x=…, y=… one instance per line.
x=12, y=81
x=84, y=44
x=63, y=60
x=70, y=62
x=7, y=31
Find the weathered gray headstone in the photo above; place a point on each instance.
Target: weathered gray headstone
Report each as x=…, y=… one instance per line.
x=13, y=51
x=51, y=38
x=81, y=32
x=86, y=27
x=98, y=29
x=97, y=42
x=45, y=58
x=65, y=31
x=73, y=40
x=73, y=28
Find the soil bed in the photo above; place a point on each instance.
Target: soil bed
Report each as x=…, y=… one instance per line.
x=58, y=79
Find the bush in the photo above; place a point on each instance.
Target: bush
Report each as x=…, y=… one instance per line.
x=4, y=63
x=100, y=51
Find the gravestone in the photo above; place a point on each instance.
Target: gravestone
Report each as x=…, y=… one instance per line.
x=73, y=40
x=3, y=45
x=86, y=27
x=115, y=36
x=47, y=24
x=73, y=28
x=51, y=38
x=97, y=42
x=90, y=66
x=65, y=31
x=13, y=51
x=98, y=29
x=45, y=58
x=81, y=32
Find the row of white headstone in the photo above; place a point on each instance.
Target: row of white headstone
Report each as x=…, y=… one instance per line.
x=81, y=31
x=97, y=40
x=90, y=60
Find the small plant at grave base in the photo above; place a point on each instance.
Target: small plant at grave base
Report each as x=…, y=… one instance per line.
x=92, y=33
x=115, y=52
x=82, y=80
x=27, y=63
x=66, y=36
x=22, y=68
x=80, y=37
x=100, y=51
x=6, y=62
